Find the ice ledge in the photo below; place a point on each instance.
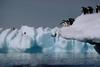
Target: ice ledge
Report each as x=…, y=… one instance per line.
x=85, y=28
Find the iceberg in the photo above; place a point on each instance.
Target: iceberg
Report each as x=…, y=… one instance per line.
x=55, y=41
x=85, y=27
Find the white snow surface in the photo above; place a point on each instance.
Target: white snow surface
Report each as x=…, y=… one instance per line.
x=84, y=27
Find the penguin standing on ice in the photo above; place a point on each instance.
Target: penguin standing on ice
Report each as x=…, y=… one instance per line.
x=67, y=23
x=84, y=10
x=71, y=20
x=97, y=8
x=90, y=10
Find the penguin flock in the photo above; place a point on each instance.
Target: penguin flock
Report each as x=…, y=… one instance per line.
x=85, y=10
x=90, y=10
x=70, y=21
x=67, y=22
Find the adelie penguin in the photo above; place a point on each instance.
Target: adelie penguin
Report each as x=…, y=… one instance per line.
x=68, y=22
x=84, y=10
x=65, y=23
x=97, y=8
x=71, y=20
x=90, y=10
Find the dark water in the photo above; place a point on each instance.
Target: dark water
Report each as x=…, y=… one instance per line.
x=36, y=60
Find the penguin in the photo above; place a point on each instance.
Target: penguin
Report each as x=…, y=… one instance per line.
x=97, y=8
x=84, y=10
x=90, y=9
x=13, y=28
x=54, y=35
x=71, y=20
x=25, y=33
x=65, y=23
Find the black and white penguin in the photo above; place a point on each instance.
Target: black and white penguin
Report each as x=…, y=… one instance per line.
x=65, y=23
x=84, y=10
x=97, y=8
x=90, y=10
x=71, y=20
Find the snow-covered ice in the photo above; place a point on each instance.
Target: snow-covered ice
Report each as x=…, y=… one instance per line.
x=84, y=27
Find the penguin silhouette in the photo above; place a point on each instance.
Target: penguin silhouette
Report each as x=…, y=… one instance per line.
x=97, y=8
x=24, y=32
x=90, y=10
x=13, y=28
x=84, y=10
x=68, y=22
x=71, y=20
x=65, y=23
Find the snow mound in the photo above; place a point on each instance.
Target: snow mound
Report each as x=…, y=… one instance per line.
x=85, y=27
